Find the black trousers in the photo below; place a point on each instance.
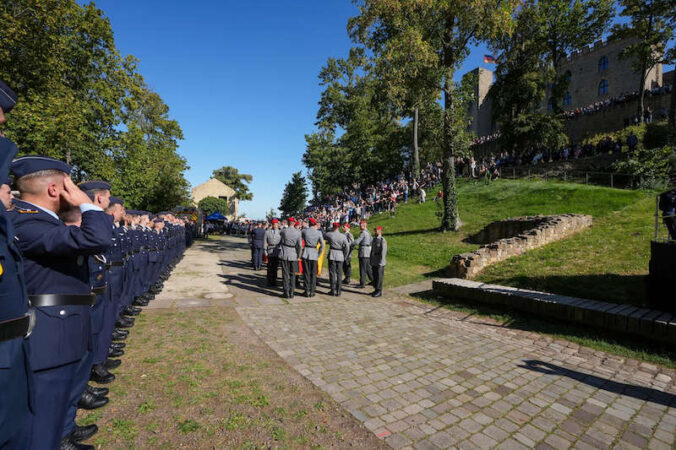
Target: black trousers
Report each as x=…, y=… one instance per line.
x=347, y=268
x=334, y=276
x=378, y=272
x=289, y=269
x=365, y=271
x=310, y=276
x=273, y=265
x=670, y=222
x=257, y=257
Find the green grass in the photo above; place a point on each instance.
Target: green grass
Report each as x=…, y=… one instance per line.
x=607, y=261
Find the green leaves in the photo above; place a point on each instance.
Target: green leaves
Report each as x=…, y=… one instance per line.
x=294, y=197
x=210, y=205
x=237, y=181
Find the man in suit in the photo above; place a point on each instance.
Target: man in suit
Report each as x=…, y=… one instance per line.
x=338, y=250
x=16, y=323
x=291, y=246
x=312, y=237
x=347, y=264
x=364, y=242
x=378, y=261
x=258, y=241
x=57, y=281
x=272, y=246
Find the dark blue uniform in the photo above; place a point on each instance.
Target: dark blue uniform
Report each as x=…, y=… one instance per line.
x=258, y=238
x=15, y=372
x=56, y=263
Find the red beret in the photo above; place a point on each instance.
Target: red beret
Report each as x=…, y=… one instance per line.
x=313, y=221
x=346, y=225
x=336, y=224
x=275, y=221
x=379, y=228
x=291, y=220
x=363, y=221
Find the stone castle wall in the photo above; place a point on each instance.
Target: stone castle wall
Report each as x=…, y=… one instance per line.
x=514, y=237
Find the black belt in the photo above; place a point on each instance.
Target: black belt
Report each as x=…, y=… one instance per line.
x=117, y=263
x=98, y=290
x=14, y=328
x=62, y=299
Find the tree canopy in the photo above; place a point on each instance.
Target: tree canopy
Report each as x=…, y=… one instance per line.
x=294, y=198
x=239, y=182
x=83, y=102
x=210, y=205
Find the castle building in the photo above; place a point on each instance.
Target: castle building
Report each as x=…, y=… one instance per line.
x=216, y=188
x=481, y=111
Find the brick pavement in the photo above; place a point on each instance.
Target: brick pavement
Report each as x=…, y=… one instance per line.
x=428, y=378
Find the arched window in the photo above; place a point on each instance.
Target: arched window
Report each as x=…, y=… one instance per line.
x=603, y=87
x=567, y=99
x=603, y=63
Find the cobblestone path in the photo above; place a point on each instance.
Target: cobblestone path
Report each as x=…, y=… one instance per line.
x=432, y=378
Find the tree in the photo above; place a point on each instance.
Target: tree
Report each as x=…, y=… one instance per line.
x=651, y=27
x=294, y=197
x=271, y=214
x=210, y=205
x=425, y=42
x=237, y=181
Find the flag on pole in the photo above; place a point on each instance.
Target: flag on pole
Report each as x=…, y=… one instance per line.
x=489, y=59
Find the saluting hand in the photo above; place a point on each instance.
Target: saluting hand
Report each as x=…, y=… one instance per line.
x=72, y=194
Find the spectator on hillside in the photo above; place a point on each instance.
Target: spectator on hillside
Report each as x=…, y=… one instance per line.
x=423, y=194
x=632, y=142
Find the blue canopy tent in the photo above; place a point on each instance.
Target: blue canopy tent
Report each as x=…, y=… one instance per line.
x=216, y=216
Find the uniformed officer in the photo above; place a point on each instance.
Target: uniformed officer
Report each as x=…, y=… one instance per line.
x=6, y=193
x=272, y=245
x=338, y=249
x=258, y=240
x=347, y=264
x=312, y=237
x=378, y=261
x=290, y=245
x=57, y=280
x=16, y=392
x=364, y=242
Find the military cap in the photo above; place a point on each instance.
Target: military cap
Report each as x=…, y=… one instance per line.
x=7, y=181
x=131, y=212
x=275, y=221
x=336, y=225
x=8, y=98
x=346, y=224
x=313, y=221
x=291, y=220
x=27, y=165
x=95, y=185
x=379, y=228
x=116, y=201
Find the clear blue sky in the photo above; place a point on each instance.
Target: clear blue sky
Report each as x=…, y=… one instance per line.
x=240, y=77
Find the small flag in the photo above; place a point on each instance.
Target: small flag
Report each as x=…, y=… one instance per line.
x=489, y=59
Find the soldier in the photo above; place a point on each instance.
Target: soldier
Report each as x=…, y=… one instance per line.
x=290, y=242
x=57, y=281
x=312, y=237
x=15, y=321
x=258, y=241
x=6, y=196
x=337, y=243
x=347, y=264
x=378, y=261
x=364, y=242
x=272, y=240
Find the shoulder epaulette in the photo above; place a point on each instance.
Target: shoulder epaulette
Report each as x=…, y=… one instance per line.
x=25, y=210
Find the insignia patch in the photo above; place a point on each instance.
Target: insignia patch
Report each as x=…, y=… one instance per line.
x=27, y=211
x=1, y=269
x=100, y=277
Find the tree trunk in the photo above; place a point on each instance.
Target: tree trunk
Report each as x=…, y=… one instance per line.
x=450, y=220
x=641, y=95
x=416, y=153
x=672, y=110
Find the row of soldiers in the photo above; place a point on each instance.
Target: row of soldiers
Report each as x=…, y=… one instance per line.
x=75, y=268
x=303, y=242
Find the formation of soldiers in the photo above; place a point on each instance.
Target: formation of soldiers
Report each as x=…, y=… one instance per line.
x=299, y=247
x=75, y=268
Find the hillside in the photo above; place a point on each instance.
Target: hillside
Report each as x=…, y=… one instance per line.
x=607, y=262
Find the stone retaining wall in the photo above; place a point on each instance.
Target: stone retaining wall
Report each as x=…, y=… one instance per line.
x=648, y=323
x=513, y=237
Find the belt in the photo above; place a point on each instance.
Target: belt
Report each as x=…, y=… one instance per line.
x=108, y=266
x=62, y=299
x=15, y=328
x=98, y=290
x=117, y=263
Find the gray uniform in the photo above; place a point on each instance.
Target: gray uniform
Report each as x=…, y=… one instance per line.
x=291, y=246
x=347, y=264
x=272, y=243
x=364, y=242
x=378, y=262
x=337, y=254
x=312, y=237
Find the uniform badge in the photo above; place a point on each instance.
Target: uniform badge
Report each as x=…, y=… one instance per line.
x=1, y=269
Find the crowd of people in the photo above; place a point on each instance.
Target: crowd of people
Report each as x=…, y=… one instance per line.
x=621, y=100
x=76, y=266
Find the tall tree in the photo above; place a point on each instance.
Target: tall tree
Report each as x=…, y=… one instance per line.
x=294, y=198
x=210, y=205
x=425, y=42
x=239, y=182
x=650, y=27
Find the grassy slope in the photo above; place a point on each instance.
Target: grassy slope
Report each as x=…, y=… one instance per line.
x=604, y=262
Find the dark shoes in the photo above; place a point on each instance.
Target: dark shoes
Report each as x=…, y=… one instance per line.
x=113, y=353
x=90, y=401
x=377, y=294
x=118, y=335
x=99, y=392
x=141, y=302
x=83, y=433
x=69, y=444
x=118, y=345
x=99, y=374
x=124, y=322
x=131, y=310
x=111, y=363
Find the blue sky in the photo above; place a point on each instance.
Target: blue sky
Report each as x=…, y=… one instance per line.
x=240, y=77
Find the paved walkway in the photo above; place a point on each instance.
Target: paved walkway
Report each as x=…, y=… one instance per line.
x=428, y=378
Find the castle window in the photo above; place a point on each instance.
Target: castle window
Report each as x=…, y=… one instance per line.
x=603, y=87
x=603, y=63
x=567, y=99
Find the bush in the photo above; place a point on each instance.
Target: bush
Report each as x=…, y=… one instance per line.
x=652, y=166
x=210, y=205
x=659, y=135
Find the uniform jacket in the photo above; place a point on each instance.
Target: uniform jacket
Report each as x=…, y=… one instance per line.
x=350, y=240
x=668, y=202
x=290, y=244
x=258, y=236
x=364, y=242
x=272, y=242
x=378, y=251
x=312, y=237
x=338, y=245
